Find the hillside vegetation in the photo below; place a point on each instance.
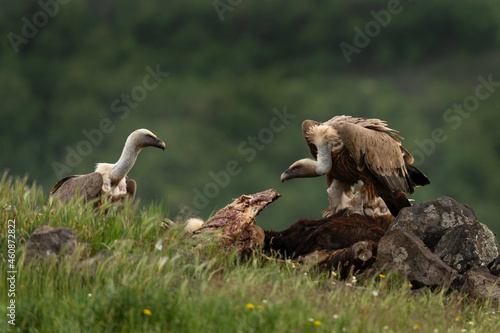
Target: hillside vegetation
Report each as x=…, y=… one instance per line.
x=155, y=281
x=233, y=80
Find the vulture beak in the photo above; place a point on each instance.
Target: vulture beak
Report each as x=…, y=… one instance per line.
x=159, y=144
x=285, y=176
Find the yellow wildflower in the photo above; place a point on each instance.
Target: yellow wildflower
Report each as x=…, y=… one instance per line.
x=147, y=312
x=317, y=323
x=250, y=306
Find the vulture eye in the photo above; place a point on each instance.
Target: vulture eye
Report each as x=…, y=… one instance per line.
x=149, y=136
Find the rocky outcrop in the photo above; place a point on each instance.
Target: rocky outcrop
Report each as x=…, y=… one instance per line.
x=479, y=283
x=437, y=241
x=405, y=253
x=495, y=266
x=48, y=242
x=451, y=231
x=467, y=246
x=430, y=220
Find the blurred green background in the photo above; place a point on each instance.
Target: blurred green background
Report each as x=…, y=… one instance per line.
x=68, y=67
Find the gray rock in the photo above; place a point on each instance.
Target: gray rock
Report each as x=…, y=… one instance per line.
x=48, y=242
x=402, y=251
x=468, y=245
x=495, y=267
x=479, y=283
x=432, y=219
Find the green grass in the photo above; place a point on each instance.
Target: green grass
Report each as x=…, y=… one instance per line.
x=141, y=288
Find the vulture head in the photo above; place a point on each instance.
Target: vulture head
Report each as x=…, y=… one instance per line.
x=143, y=138
x=136, y=141
x=326, y=141
x=304, y=168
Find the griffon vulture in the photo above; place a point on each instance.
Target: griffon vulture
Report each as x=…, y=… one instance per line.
x=349, y=151
x=109, y=179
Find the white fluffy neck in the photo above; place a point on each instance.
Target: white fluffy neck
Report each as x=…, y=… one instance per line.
x=126, y=161
x=323, y=160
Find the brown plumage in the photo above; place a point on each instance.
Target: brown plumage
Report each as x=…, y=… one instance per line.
x=90, y=188
x=362, y=151
x=109, y=180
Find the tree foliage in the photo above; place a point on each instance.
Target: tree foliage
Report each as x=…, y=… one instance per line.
x=232, y=66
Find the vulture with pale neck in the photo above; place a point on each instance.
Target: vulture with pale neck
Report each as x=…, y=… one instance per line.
x=108, y=179
x=350, y=151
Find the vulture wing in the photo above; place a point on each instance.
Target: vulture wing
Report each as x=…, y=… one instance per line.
x=407, y=156
x=370, y=123
x=131, y=188
x=306, y=125
x=339, y=121
x=418, y=177
x=89, y=186
x=380, y=153
x=56, y=187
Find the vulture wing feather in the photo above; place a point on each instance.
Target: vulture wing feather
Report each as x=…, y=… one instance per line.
x=306, y=125
x=379, y=152
x=131, y=188
x=89, y=185
x=60, y=183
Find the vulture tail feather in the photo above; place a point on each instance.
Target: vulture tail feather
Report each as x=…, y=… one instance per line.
x=417, y=176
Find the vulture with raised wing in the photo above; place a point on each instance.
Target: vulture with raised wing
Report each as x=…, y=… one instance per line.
x=350, y=151
x=108, y=179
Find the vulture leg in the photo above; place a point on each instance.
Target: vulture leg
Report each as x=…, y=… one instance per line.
x=340, y=196
x=377, y=209
x=367, y=197
x=357, y=204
